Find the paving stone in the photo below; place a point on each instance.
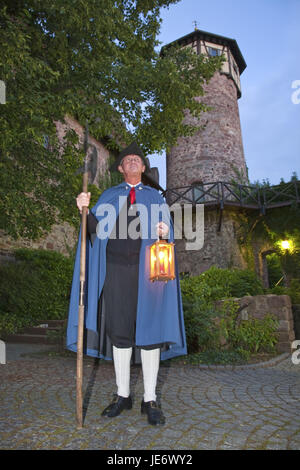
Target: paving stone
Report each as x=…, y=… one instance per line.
x=205, y=408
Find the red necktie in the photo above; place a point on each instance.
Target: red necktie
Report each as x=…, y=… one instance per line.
x=132, y=195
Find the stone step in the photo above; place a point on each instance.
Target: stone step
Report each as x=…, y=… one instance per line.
x=53, y=323
x=37, y=334
x=37, y=330
x=29, y=339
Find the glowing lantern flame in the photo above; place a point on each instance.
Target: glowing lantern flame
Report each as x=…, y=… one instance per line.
x=162, y=261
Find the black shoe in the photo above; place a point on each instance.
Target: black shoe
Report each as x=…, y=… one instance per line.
x=155, y=415
x=117, y=406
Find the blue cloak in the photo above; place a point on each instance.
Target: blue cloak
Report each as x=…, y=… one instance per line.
x=159, y=307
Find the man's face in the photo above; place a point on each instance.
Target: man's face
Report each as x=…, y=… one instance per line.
x=131, y=165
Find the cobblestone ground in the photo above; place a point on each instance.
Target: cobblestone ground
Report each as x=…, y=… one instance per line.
x=205, y=408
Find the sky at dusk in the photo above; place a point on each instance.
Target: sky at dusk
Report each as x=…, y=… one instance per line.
x=268, y=35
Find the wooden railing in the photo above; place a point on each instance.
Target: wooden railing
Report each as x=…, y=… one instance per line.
x=223, y=194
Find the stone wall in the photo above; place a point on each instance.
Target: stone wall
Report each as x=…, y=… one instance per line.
x=61, y=238
x=220, y=248
x=278, y=305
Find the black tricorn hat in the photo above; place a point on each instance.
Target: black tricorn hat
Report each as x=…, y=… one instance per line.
x=132, y=149
x=150, y=175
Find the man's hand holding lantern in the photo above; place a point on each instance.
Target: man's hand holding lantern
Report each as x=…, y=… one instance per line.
x=162, y=229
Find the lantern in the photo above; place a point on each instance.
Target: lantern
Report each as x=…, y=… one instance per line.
x=162, y=267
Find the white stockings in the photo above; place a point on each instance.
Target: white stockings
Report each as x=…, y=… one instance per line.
x=122, y=357
x=150, y=366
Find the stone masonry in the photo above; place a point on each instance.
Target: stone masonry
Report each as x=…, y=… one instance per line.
x=215, y=152
x=220, y=248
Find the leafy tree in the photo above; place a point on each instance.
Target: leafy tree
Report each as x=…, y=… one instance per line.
x=95, y=60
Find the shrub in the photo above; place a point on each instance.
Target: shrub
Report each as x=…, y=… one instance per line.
x=207, y=325
x=245, y=282
x=294, y=291
x=34, y=288
x=217, y=283
x=202, y=333
x=248, y=336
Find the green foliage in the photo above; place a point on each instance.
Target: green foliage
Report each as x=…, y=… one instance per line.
x=256, y=335
x=248, y=336
x=274, y=269
x=208, y=326
x=217, y=283
x=34, y=289
x=294, y=291
x=95, y=60
x=37, y=187
x=202, y=332
x=276, y=225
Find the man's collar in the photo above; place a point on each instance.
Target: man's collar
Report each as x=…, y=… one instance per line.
x=134, y=184
x=128, y=185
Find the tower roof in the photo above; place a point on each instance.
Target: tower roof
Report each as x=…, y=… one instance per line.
x=215, y=38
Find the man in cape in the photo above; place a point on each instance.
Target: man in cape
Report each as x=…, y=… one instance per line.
x=128, y=318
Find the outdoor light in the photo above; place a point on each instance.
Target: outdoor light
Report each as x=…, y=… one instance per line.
x=162, y=261
x=285, y=244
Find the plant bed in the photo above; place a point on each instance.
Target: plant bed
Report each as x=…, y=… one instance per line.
x=220, y=358
x=202, y=358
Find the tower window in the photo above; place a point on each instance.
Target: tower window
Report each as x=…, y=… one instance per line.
x=213, y=52
x=235, y=68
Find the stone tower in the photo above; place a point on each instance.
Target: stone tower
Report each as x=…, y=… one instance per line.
x=214, y=154
x=216, y=151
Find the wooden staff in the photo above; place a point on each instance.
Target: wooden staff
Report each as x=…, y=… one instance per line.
x=79, y=376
